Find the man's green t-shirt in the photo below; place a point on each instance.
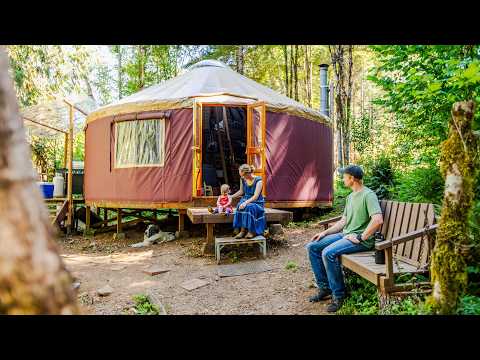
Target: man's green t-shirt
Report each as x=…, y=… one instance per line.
x=359, y=208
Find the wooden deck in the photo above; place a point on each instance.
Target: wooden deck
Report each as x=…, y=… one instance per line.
x=202, y=216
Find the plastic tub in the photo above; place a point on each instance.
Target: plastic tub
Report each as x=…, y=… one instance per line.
x=47, y=189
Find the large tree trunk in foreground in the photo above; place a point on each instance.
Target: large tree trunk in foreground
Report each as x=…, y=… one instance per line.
x=458, y=164
x=33, y=278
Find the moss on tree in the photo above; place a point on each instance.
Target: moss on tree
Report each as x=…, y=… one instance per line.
x=458, y=163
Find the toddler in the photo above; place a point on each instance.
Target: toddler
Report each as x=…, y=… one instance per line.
x=224, y=202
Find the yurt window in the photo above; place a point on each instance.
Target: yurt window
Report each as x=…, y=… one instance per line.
x=140, y=143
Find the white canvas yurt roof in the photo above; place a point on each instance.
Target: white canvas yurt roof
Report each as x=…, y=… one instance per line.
x=208, y=79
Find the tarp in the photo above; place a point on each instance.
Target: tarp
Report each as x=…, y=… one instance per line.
x=205, y=78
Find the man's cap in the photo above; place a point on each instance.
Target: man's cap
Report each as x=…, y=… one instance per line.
x=354, y=170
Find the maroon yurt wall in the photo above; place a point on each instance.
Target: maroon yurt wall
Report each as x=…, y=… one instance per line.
x=170, y=183
x=299, y=159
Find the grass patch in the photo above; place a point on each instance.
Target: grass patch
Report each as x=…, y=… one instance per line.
x=143, y=306
x=291, y=266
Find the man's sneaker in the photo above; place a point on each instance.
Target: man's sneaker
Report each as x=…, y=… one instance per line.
x=321, y=295
x=335, y=305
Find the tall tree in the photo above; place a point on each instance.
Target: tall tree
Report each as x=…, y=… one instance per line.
x=459, y=165
x=33, y=278
x=342, y=63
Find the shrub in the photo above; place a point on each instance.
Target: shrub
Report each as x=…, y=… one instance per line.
x=420, y=185
x=379, y=176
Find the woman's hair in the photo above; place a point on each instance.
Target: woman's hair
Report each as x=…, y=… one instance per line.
x=224, y=188
x=245, y=168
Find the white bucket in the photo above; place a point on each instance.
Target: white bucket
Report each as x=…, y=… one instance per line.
x=58, y=186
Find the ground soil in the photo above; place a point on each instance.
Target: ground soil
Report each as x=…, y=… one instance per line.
x=99, y=260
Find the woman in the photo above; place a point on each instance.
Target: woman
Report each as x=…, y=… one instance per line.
x=249, y=220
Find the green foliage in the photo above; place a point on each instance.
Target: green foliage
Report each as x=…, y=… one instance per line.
x=420, y=84
x=143, y=306
x=423, y=184
x=380, y=177
x=469, y=305
x=361, y=133
x=363, y=300
x=291, y=265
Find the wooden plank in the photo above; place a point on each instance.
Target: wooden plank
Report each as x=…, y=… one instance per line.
x=418, y=242
x=181, y=219
x=412, y=226
x=398, y=220
x=403, y=238
x=357, y=267
x=202, y=216
x=425, y=250
x=61, y=214
x=386, y=217
x=404, y=227
x=366, y=259
x=391, y=221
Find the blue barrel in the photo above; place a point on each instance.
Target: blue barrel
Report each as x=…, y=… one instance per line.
x=47, y=189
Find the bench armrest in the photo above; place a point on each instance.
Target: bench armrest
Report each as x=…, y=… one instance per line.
x=329, y=221
x=406, y=237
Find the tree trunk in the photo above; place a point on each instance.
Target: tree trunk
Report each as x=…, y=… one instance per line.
x=239, y=60
x=141, y=66
x=119, y=71
x=296, y=72
x=458, y=163
x=33, y=278
x=285, y=54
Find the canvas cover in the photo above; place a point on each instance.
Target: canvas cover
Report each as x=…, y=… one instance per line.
x=169, y=183
x=205, y=78
x=299, y=159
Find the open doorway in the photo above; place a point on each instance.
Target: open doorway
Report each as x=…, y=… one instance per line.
x=224, y=144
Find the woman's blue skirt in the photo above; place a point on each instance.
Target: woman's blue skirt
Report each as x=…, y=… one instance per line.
x=251, y=218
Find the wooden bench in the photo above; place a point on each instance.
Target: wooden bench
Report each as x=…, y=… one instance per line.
x=408, y=230
x=202, y=216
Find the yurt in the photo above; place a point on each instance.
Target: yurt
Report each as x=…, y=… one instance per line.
x=172, y=145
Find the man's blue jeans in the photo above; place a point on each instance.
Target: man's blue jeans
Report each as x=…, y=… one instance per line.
x=325, y=259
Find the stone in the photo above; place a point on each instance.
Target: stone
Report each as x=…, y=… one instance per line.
x=276, y=229
x=105, y=291
x=155, y=270
x=76, y=285
x=251, y=267
x=194, y=284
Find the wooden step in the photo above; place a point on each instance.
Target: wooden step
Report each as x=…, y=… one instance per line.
x=231, y=240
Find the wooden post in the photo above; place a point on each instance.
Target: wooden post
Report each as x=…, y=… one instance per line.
x=181, y=219
x=105, y=216
x=87, y=219
x=65, y=151
x=209, y=246
x=70, y=175
x=119, y=221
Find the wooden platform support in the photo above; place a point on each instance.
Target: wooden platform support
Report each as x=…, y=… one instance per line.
x=87, y=219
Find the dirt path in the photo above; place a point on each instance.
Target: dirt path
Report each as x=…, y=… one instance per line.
x=100, y=261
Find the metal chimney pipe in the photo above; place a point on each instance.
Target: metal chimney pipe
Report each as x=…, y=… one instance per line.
x=324, y=108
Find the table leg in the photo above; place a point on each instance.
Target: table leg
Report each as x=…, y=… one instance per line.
x=209, y=247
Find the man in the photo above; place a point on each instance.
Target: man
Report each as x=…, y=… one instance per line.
x=361, y=218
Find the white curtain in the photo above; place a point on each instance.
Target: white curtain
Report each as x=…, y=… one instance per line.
x=140, y=143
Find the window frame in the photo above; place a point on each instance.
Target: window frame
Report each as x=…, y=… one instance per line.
x=129, y=166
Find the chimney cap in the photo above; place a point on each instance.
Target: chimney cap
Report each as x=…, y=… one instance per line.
x=323, y=65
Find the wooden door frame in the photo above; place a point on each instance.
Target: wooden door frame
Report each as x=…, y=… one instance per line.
x=262, y=150
x=198, y=148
